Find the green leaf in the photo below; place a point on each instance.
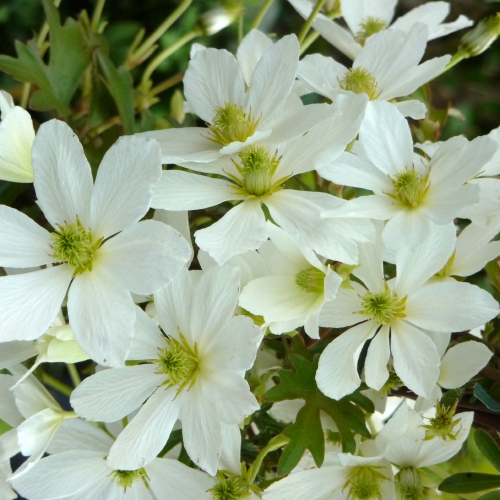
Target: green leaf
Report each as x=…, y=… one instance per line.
x=306, y=433
x=492, y=495
x=469, y=482
x=485, y=398
x=69, y=57
x=120, y=86
x=488, y=447
x=4, y=427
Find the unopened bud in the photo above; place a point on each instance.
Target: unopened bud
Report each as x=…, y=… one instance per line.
x=478, y=39
x=217, y=19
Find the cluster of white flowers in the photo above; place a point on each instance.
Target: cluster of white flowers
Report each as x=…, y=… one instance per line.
x=172, y=346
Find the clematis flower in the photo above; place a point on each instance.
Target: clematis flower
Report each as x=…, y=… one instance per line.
x=296, y=289
x=244, y=100
x=409, y=192
x=386, y=68
x=78, y=468
x=396, y=315
x=364, y=19
x=16, y=139
x=193, y=373
x=101, y=266
x=255, y=176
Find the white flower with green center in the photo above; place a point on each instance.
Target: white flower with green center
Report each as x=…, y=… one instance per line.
x=410, y=192
x=366, y=18
x=405, y=443
x=97, y=249
x=255, y=177
x=294, y=292
x=342, y=475
x=397, y=317
x=194, y=373
x=386, y=68
x=79, y=468
x=16, y=139
x=244, y=100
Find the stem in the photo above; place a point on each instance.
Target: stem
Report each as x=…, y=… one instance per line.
x=459, y=56
x=275, y=443
x=312, y=37
x=162, y=56
x=55, y=384
x=155, y=36
x=96, y=17
x=241, y=18
x=25, y=95
x=310, y=20
x=73, y=373
x=170, y=82
x=261, y=14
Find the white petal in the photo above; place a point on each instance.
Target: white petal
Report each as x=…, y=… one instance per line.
x=416, y=360
x=355, y=12
x=15, y=352
x=241, y=229
x=147, y=338
x=63, y=179
x=144, y=437
x=371, y=270
x=123, y=187
x=414, y=224
x=337, y=373
x=16, y=139
x=412, y=109
x=102, y=315
x=379, y=352
x=8, y=411
x=450, y=307
x=250, y=51
x=230, y=458
x=6, y=104
x=273, y=77
x=462, y=362
x=110, y=395
x=9, y=445
x=443, y=205
x=145, y=257
x=338, y=36
x=212, y=79
x=39, y=292
x=343, y=311
x=178, y=190
x=375, y=206
x=188, y=144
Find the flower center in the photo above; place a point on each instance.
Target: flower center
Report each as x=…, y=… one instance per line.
x=360, y=81
x=443, y=425
x=75, y=245
x=383, y=307
x=410, y=484
x=369, y=26
x=179, y=361
x=363, y=484
x=229, y=488
x=231, y=124
x=126, y=478
x=311, y=280
x=410, y=187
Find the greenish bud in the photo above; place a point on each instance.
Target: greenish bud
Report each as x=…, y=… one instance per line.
x=360, y=81
x=369, y=26
x=311, y=280
x=478, y=39
x=231, y=124
x=217, y=19
x=410, y=484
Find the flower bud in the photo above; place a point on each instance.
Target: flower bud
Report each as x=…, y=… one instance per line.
x=478, y=39
x=217, y=19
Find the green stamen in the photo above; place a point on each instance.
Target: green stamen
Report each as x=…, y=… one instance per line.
x=333, y=437
x=369, y=26
x=231, y=124
x=363, y=484
x=75, y=245
x=360, y=81
x=229, y=488
x=125, y=478
x=383, y=307
x=179, y=361
x=446, y=270
x=410, y=187
x=443, y=425
x=311, y=280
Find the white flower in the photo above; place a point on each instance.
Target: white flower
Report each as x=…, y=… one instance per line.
x=295, y=290
x=386, y=68
x=411, y=193
x=243, y=99
x=79, y=469
x=404, y=309
x=255, y=177
x=142, y=258
x=6, y=491
x=364, y=19
x=16, y=139
x=194, y=373
x=342, y=476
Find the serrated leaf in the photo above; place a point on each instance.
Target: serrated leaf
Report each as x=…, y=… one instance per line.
x=307, y=432
x=57, y=81
x=469, y=482
x=488, y=447
x=485, y=398
x=119, y=84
